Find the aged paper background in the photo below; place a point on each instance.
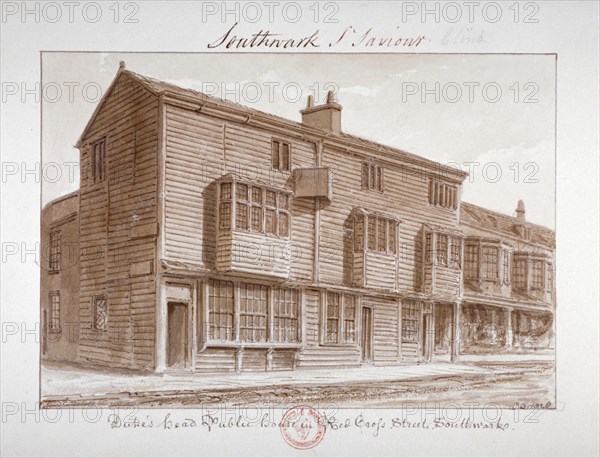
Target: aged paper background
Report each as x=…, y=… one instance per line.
x=569, y=29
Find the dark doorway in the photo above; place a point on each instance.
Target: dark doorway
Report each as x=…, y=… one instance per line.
x=443, y=329
x=177, y=336
x=366, y=337
x=426, y=339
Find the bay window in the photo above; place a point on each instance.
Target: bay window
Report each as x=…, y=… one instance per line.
x=537, y=275
x=471, y=262
x=489, y=262
x=442, y=248
x=252, y=208
x=381, y=233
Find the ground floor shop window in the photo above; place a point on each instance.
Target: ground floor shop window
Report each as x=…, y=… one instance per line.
x=265, y=314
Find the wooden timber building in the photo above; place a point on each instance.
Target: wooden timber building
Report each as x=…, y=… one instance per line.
x=215, y=237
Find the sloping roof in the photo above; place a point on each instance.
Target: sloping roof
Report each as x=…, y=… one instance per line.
x=485, y=219
x=159, y=87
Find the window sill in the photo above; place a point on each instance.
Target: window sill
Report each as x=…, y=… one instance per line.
x=342, y=345
x=265, y=345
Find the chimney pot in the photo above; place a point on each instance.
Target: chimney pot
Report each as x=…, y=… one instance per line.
x=327, y=116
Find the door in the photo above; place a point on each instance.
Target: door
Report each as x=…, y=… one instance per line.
x=426, y=339
x=177, y=336
x=366, y=338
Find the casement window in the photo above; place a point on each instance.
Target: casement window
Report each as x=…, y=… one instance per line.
x=349, y=327
x=261, y=308
x=372, y=177
x=241, y=206
x=443, y=194
x=340, y=318
x=506, y=267
x=410, y=321
x=281, y=155
x=471, y=262
x=254, y=308
x=359, y=236
x=220, y=311
x=549, y=277
x=455, y=254
x=54, y=324
x=537, y=275
x=489, y=262
x=257, y=209
x=98, y=160
x=286, y=310
x=429, y=248
x=55, y=252
x=381, y=234
x=99, y=313
x=441, y=249
x=520, y=272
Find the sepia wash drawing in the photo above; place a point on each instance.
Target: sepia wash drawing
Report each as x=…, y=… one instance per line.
x=209, y=240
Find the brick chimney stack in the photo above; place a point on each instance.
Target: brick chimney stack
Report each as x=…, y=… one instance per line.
x=327, y=116
x=520, y=212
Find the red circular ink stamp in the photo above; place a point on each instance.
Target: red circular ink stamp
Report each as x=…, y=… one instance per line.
x=302, y=427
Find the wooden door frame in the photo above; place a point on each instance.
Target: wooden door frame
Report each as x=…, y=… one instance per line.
x=188, y=331
x=370, y=357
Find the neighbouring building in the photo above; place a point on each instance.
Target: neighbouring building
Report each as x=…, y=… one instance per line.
x=59, y=286
x=221, y=238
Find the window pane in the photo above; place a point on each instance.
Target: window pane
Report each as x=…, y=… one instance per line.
x=225, y=216
x=381, y=234
x=257, y=195
x=253, y=313
x=359, y=227
x=275, y=154
x=537, y=277
x=471, y=261
x=271, y=198
x=286, y=312
x=55, y=251
x=284, y=201
x=372, y=176
x=285, y=157
x=489, y=262
x=257, y=219
x=371, y=229
x=506, y=267
x=225, y=191
x=241, y=216
x=271, y=221
x=241, y=192
x=428, y=248
x=349, y=318
x=455, y=252
x=220, y=310
x=520, y=273
x=333, y=316
x=284, y=224
x=392, y=236
x=410, y=321
x=365, y=176
x=54, y=324
x=379, y=179
x=441, y=249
